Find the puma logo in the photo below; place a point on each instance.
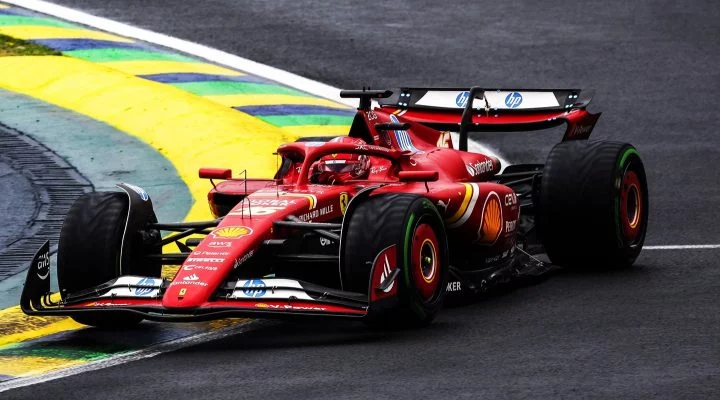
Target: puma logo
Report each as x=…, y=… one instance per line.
x=444, y=205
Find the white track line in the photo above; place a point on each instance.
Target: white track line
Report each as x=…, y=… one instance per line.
x=198, y=50
x=683, y=247
x=213, y=55
x=123, y=358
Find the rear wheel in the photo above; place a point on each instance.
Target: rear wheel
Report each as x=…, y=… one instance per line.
x=89, y=252
x=593, y=204
x=413, y=225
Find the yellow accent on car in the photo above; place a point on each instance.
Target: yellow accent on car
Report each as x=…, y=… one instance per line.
x=463, y=206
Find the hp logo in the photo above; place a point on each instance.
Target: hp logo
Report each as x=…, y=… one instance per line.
x=141, y=291
x=254, y=288
x=513, y=100
x=462, y=99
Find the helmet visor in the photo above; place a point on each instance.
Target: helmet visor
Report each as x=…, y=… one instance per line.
x=338, y=166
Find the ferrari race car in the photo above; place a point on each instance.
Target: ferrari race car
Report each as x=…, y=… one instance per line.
x=381, y=225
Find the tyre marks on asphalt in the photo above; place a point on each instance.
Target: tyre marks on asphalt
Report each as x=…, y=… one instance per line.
x=56, y=185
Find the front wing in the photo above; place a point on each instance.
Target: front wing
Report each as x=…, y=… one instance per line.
x=266, y=298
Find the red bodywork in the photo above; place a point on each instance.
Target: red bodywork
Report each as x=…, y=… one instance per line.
x=477, y=213
x=480, y=216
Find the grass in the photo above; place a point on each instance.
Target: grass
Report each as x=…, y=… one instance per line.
x=9, y=46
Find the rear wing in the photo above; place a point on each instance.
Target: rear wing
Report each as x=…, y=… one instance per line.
x=481, y=109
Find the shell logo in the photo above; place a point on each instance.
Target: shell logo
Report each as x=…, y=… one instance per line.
x=231, y=232
x=492, y=220
x=261, y=305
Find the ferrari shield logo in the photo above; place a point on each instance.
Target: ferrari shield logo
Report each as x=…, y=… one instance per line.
x=344, y=200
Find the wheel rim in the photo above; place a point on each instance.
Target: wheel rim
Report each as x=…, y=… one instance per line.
x=631, y=205
x=425, y=261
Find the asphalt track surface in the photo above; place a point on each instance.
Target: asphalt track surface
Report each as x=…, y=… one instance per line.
x=649, y=331
x=11, y=181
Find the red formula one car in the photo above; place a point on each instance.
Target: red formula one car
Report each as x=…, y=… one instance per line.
x=381, y=225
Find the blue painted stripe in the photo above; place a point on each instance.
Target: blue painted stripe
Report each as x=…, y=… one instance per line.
x=6, y=377
x=405, y=142
x=16, y=11
x=86, y=44
x=401, y=142
x=194, y=77
x=292, y=109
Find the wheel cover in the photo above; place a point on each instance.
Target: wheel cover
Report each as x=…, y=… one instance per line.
x=425, y=263
x=631, y=205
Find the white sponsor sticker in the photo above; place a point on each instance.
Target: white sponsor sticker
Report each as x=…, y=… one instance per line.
x=211, y=253
x=135, y=286
x=454, y=286
x=269, y=289
x=289, y=307
x=479, y=167
x=448, y=99
x=247, y=211
x=193, y=267
x=505, y=100
x=205, y=259
x=191, y=283
x=219, y=244
x=318, y=212
x=386, y=272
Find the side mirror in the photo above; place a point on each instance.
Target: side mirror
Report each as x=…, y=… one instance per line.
x=418, y=176
x=215, y=173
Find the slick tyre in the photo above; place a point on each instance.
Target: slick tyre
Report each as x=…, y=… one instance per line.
x=89, y=252
x=413, y=225
x=593, y=205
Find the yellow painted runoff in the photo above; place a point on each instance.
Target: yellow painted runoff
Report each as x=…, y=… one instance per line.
x=189, y=130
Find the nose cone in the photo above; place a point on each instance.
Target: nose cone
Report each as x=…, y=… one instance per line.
x=207, y=267
x=187, y=291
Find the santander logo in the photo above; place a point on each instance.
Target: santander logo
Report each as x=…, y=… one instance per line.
x=480, y=167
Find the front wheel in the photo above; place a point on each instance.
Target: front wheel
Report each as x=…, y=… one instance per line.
x=410, y=228
x=89, y=252
x=593, y=204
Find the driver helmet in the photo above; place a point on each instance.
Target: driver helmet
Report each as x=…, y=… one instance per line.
x=340, y=168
